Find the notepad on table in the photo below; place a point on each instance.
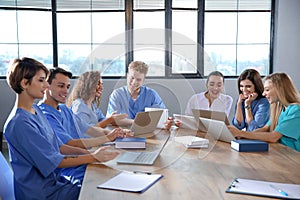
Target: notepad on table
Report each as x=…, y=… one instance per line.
x=192, y=141
x=131, y=181
x=264, y=188
x=130, y=143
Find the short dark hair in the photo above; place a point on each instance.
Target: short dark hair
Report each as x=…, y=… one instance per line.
x=23, y=68
x=215, y=73
x=57, y=70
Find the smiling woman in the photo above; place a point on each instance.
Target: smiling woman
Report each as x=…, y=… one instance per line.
x=252, y=109
x=283, y=126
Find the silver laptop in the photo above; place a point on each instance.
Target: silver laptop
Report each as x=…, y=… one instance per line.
x=141, y=157
x=190, y=122
x=217, y=129
x=146, y=122
x=210, y=114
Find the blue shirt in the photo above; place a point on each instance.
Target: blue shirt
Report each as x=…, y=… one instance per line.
x=260, y=109
x=35, y=155
x=89, y=116
x=121, y=101
x=66, y=128
x=288, y=126
x=64, y=123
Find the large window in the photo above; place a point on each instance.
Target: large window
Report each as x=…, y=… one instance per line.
x=174, y=37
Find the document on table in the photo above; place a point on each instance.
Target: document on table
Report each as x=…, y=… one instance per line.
x=264, y=188
x=131, y=181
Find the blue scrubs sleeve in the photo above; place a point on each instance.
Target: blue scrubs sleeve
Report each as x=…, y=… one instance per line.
x=37, y=148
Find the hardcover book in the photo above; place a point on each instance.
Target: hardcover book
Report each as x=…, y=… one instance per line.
x=249, y=145
x=130, y=143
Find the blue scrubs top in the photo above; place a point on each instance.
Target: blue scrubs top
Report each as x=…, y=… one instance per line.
x=35, y=155
x=66, y=128
x=89, y=116
x=288, y=126
x=121, y=101
x=261, y=112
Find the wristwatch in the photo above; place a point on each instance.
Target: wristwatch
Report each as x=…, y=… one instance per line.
x=248, y=107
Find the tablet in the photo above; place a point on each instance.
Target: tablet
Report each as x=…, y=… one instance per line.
x=189, y=122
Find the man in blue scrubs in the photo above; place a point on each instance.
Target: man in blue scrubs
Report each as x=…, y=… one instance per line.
x=134, y=97
x=65, y=124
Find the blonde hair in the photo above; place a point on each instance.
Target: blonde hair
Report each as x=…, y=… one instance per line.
x=286, y=92
x=84, y=87
x=138, y=66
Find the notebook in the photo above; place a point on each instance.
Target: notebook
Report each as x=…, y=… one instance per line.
x=217, y=129
x=141, y=157
x=131, y=181
x=189, y=122
x=146, y=122
x=210, y=114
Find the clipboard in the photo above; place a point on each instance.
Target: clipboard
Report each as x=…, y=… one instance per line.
x=131, y=181
x=264, y=188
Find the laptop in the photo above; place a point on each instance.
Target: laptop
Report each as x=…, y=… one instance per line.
x=146, y=122
x=217, y=129
x=189, y=122
x=141, y=157
x=210, y=114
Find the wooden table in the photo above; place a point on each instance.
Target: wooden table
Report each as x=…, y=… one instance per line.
x=198, y=173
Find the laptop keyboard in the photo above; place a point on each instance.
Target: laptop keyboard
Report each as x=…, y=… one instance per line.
x=146, y=157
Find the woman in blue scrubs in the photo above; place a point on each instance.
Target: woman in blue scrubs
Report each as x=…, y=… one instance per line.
x=283, y=126
x=35, y=151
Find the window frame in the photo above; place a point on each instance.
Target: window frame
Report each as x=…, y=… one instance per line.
x=129, y=55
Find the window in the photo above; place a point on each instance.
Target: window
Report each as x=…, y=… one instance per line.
x=175, y=38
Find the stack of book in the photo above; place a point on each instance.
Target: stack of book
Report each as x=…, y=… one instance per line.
x=192, y=141
x=130, y=143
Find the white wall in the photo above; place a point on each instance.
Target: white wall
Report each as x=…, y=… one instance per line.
x=176, y=92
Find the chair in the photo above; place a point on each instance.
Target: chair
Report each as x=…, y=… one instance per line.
x=6, y=180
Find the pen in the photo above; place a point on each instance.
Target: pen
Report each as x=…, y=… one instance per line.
x=139, y=172
x=279, y=190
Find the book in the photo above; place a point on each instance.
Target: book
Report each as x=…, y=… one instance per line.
x=131, y=181
x=130, y=143
x=249, y=145
x=192, y=141
x=264, y=188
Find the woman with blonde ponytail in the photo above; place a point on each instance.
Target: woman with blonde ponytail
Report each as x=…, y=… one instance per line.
x=283, y=126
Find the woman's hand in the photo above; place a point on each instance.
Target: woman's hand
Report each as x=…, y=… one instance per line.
x=235, y=131
x=250, y=98
x=168, y=123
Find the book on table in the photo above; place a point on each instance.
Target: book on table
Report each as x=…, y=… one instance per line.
x=244, y=145
x=192, y=141
x=130, y=143
x=131, y=181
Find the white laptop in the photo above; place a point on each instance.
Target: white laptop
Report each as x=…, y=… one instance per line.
x=217, y=129
x=210, y=114
x=189, y=122
x=146, y=122
x=141, y=157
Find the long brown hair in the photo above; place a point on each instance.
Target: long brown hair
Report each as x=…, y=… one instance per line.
x=286, y=92
x=84, y=87
x=255, y=78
